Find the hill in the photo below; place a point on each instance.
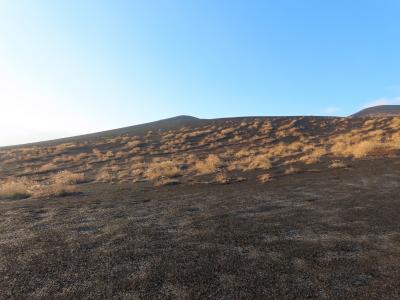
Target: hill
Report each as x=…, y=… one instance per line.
x=186, y=208
x=379, y=111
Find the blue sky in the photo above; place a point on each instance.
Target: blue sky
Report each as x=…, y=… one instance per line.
x=71, y=67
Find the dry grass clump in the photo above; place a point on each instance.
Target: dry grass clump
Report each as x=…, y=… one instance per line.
x=266, y=127
x=68, y=177
x=163, y=169
x=282, y=133
x=104, y=175
x=395, y=123
x=243, y=153
x=209, y=165
x=63, y=147
x=15, y=189
x=134, y=144
x=62, y=190
x=227, y=131
x=292, y=170
x=364, y=148
x=280, y=150
x=295, y=146
x=63, y=158
x=314, y=156
x=360, y=149
x=167, y=181
x=251, y=161
x=337, y=164
x=80, y=157
x=260, y=161
x=222, y=178
x=47, y=167
x=25, y=188
x=264, y=177
x=123, y=175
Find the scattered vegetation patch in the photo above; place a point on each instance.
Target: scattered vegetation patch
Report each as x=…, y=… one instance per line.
x=211, y=149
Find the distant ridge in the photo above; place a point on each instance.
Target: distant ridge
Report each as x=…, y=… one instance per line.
x=140, y=129
x=379, y=111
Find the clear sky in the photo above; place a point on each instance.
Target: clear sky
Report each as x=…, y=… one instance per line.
x=71, y=67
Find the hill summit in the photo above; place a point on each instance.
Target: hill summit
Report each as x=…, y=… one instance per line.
x=379, y=111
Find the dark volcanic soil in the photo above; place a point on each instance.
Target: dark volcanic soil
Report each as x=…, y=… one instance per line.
x=332, y=234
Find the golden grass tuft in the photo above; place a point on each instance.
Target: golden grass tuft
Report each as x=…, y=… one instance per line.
x=222, y=178
x=104, y=175
x=68, y=177
x=47, y=167
x=15, y=189
x=167, y=181
x=314, y=156
x=359, y=149
x=337, y=164
x=264, y=177
x=163, y=169
x=260, y=161
x=209, y=165
x=62, y=190
x=292, y=170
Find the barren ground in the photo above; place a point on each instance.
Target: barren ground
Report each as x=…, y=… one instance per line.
x=323, y=233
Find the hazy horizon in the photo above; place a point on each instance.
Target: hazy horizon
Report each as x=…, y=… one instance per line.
x=72, y=67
